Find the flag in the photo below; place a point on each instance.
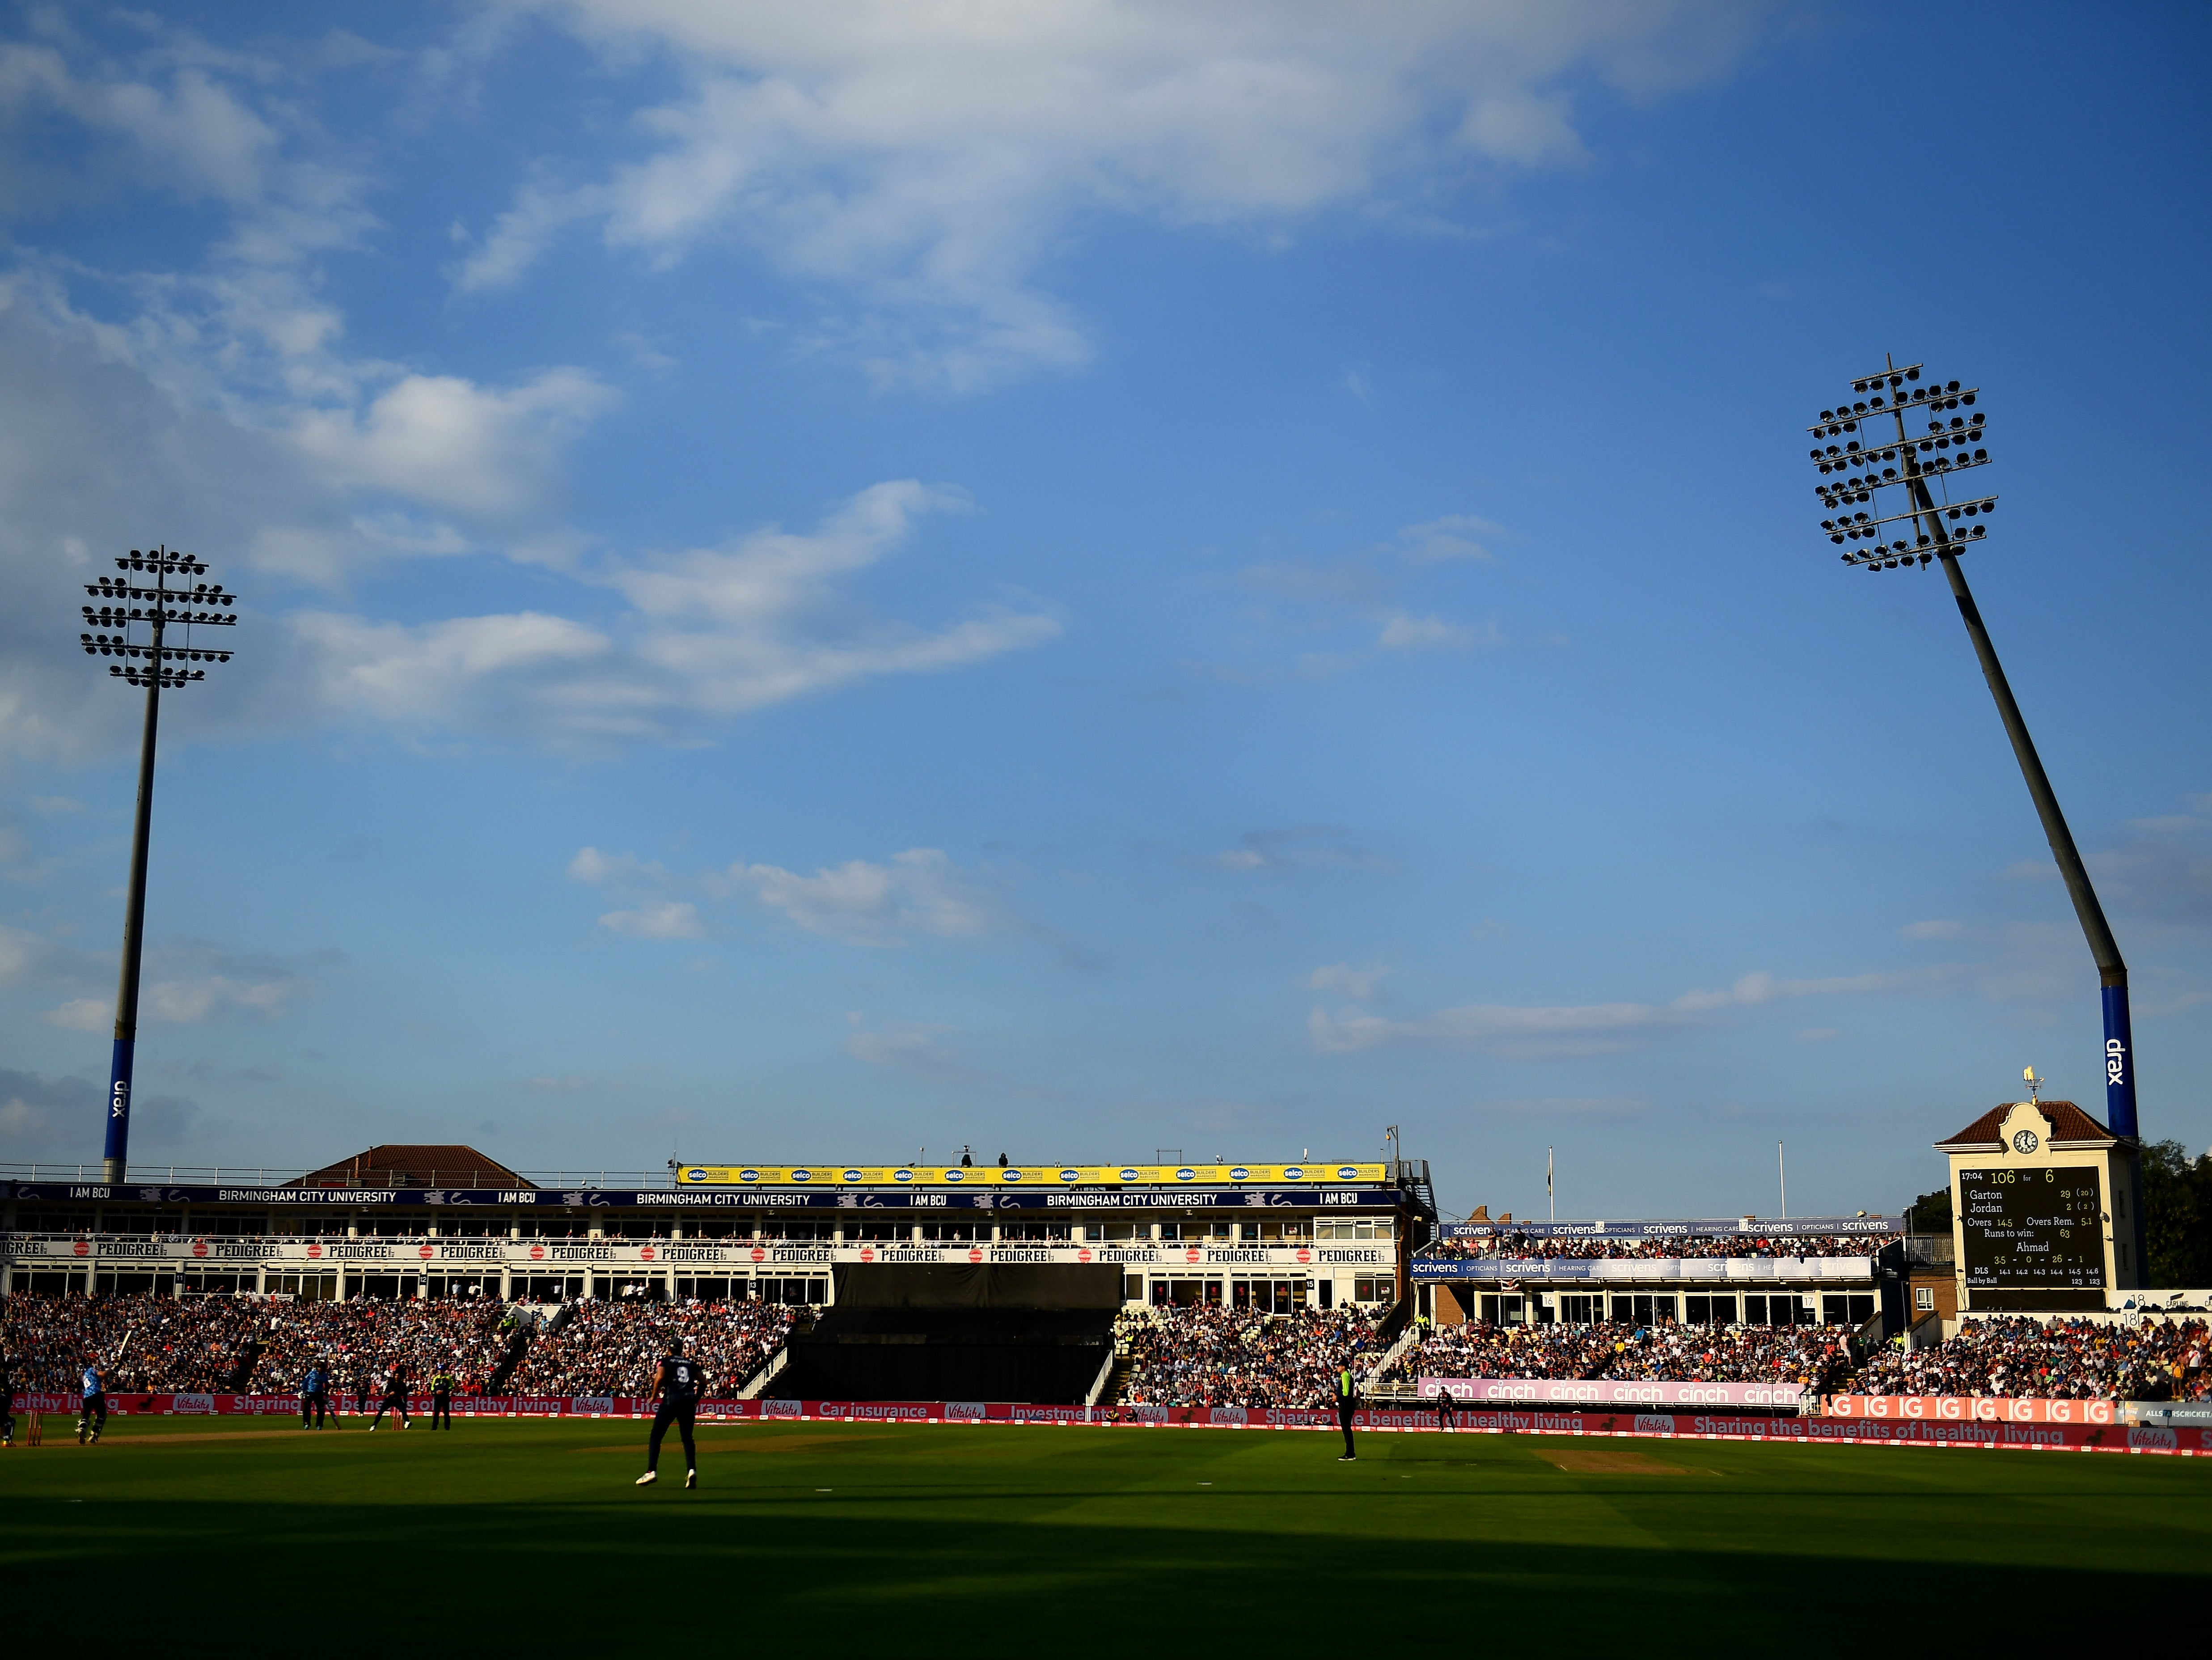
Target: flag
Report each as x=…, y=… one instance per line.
x=1548, y=1172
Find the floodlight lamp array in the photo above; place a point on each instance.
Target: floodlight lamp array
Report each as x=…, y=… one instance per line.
x=1858, y=462
x=127, y=603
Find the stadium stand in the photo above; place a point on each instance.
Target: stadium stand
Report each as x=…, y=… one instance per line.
x=465, y=1337
x=1818, y=1358
x=2063, y=1360
x=613, y=1347
x=1209, y=1356
x=1694, y=1247
x=202, y=1345
x=162, y=1343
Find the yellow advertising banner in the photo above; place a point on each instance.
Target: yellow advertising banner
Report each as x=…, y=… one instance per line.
x=1029, y=1176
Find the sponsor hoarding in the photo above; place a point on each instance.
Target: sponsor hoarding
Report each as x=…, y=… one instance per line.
x=1961, y=1408
x=1482, y=1418
x=1021, y=1176
x=1605, y=1391
x=1756, y=1227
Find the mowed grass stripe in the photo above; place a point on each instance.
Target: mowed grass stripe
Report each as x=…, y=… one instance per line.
x=1085, y=1539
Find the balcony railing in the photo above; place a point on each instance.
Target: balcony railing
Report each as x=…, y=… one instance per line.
x=265, y=1176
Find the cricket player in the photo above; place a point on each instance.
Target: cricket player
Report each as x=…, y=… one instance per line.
x=679, y=1382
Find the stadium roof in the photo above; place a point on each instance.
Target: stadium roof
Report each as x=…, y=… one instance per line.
x=2070, y=1127
x=406, y=1165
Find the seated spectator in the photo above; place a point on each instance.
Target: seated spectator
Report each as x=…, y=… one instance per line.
x=1206, y=1355
x=613, y=1347
x=1815, y=1357
x=1526, y=1247
x=2058, y=1360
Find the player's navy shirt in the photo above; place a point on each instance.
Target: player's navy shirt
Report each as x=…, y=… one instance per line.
x=680, y=1380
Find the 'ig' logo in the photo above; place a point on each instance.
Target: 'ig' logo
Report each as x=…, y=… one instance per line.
x=2116, y=1063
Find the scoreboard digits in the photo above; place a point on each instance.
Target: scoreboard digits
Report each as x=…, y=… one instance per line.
x=2033, y=1230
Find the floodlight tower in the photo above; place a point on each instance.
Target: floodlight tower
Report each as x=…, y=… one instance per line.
x=126, y=605
x=1862, y=448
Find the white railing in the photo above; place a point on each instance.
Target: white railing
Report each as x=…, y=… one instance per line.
x=1633, y=1270
x=686, y=1258
x=761, y=1379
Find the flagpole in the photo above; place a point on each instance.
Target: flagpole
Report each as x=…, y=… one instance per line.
x=1551, y=1197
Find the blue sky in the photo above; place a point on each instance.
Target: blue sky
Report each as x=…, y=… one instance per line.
x=822, y=582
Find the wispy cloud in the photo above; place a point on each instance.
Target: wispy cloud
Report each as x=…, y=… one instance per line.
x=709, y=633
x=1401, y=632
x=1527, y=1030
x=921, y=892
x=920, y=163
x=901, y=1045
x=188, y=982
x=669, y=919
x=1297, y=847
x=1361, y=984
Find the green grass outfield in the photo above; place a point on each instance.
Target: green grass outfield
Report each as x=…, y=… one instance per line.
x=186, y=1534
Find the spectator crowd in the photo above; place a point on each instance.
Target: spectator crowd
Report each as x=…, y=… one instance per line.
x=203, y=1345
x=1812, y=1355
x=1206, y=1355
x=359, y=1342
x=2063, y=1360
x=1194, y=1356
x=1525, y=1246
x=612, y=1347
x=141, y=1343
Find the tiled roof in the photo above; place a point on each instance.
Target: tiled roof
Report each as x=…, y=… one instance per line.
x=412, y=1165
x=2068, y=1123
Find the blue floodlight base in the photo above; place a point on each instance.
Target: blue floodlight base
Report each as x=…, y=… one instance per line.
x=2119, y=1064
x=119, y=1106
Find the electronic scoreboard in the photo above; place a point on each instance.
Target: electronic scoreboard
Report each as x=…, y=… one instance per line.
x=2038, y=1230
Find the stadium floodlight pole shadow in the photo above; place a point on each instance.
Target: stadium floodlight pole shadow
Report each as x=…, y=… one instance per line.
x=1857, y=469
x=126, y=605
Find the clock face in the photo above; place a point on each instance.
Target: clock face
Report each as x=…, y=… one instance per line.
x=2025, y=1141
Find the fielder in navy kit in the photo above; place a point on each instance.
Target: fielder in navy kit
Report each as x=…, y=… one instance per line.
x=678, y=1383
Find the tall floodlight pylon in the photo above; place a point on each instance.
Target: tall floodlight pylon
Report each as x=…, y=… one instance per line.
x=1881, y=476
x=132, y=621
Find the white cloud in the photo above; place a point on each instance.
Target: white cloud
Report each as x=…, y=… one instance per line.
x=901, y=1044
x=668, y=920
x=19, y=952
x=710, y=633
x=17, y=862
x=1523, y=1030
x=862, y=903
x=1361, y=985
x=463, y=671
x=1401, y=632
x=190, y=980
x=1296, y=848
x=186, y=981
x=448, y=442
x=926, y=157
x=1933, y=929
x=589, y=865
x=1452, y=537
x=83, y=1014
x=191, y=134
